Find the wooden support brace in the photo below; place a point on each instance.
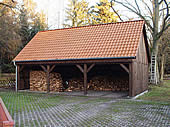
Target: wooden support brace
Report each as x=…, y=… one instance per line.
x=91, y=66
x=85, y=70
x=81, y=69
x=124, y=67
x=43, y=67
x=21, y=68
x=48, y=70
x=51, y=69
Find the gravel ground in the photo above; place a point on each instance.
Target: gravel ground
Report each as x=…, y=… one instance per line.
x=50, y=110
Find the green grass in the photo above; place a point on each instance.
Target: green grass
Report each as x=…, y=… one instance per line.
x=16, y=103
x=95, y=100
x=21, y=100
x=158, y=93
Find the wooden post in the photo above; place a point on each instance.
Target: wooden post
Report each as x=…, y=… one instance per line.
x=85, y=79
x=130, y=79
x=48, y=78
x=18, y=77
x=85, y=70
x=48, y=70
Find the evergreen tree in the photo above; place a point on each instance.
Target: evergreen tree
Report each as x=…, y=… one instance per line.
x=101, y=13
x=77, y=13
x=17, y=28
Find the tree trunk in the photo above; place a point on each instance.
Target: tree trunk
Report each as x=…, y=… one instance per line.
x=162, y=66
x=154, y=69
x=155, y=38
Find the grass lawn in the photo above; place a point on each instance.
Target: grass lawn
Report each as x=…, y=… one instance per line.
x=159, y=93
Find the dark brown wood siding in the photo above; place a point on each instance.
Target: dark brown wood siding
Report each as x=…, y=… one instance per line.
x=140, y=69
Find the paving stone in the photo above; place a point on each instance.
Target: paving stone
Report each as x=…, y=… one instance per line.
x=43, y=110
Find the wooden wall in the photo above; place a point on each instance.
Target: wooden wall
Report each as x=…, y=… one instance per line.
x=140, y=69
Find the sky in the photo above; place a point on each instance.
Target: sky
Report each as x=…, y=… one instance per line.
x=55, y=11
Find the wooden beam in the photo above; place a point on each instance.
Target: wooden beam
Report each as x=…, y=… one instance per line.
x=85, y=79
x=124, y=67
x=48, y=78
x=91, y=66
x=51, y=69
x=43, y=67
x=81, y=69
x=98, y=61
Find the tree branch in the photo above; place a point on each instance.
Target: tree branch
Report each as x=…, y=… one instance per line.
x=147, y=7
x=115, y=10
x=160, y=2
x=164, y=27
x=163, y=9
x=137, y=6
x=135, y=11
x=6, y=5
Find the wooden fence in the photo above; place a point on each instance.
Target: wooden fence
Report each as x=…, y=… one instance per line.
x=7, y=83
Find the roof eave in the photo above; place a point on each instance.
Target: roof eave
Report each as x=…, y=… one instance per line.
x=128, y=57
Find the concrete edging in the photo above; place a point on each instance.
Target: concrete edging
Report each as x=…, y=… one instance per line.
x=135, y=97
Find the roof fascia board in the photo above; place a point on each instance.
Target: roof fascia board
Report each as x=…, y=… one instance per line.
x=132, y=57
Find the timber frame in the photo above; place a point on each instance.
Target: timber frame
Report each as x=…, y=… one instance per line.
x=84, y=69
x=134, y=64
x=48, y=69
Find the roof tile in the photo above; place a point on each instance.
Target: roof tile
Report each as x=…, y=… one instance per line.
x=95, y=41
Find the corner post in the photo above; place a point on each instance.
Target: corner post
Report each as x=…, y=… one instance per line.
x=18, y=78
x=131, y=79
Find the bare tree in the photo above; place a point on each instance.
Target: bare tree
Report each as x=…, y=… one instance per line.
x=155, y=21
x=164, y=50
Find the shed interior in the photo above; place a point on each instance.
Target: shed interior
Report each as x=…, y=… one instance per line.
x=102, y=77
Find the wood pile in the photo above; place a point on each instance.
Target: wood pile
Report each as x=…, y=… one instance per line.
x=38, y=81
x=104, y=83
x=75, y=84
x=99, y=83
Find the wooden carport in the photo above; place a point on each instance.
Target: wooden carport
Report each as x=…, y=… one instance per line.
x=132, y=49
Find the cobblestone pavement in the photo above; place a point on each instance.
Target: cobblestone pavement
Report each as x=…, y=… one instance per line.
x=50, y=110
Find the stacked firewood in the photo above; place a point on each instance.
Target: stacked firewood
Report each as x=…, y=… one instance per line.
x=75, y=84
x=105, y=83
x=99, y=83
x=38, y=81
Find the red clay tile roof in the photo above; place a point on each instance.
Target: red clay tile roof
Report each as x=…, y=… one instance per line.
x=95, y=41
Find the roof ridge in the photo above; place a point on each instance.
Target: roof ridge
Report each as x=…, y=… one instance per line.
x=91, y=25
